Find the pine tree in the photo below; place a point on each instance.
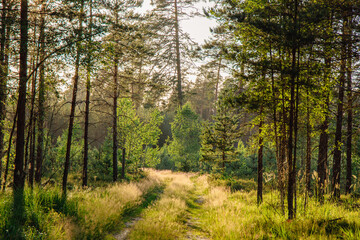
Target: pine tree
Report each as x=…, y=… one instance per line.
x=219, y=138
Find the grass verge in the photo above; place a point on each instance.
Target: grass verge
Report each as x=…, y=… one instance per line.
x=85, y=214
x=235, y=215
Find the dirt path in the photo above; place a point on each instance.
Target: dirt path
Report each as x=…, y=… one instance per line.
x=174, y=215
x=123, y=235
x=195, y=207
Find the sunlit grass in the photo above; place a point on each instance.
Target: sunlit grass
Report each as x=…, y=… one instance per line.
x=85, y=214
x=165, y=220
x=102, y=209
x=236, y=216
x=215, y=211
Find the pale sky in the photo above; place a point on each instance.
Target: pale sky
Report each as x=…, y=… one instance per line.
x=198, y=27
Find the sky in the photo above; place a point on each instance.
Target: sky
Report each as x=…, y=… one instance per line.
x=198, y=27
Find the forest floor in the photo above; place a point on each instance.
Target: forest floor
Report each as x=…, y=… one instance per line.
x=168, y=205
x=194, y=207
x=175, y=214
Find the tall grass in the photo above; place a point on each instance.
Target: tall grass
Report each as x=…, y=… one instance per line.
x=85, y=214
x=45, y=215
x=166, y=219
x=103, y=209
x=178, y=214
x=236, y=216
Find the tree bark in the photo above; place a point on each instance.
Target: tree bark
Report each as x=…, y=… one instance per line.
x=218, y=77
x=178, y=61
x=32, y=155
x=260, y=166
x=8, y=152
x=281, y=167
x=19, y=174
x=73, y=103
x=115, y=140
x=41, y=101
x=339, y=119
x=3, y=80
x=324, y=139
x=295, y=138
x=292, y=109
x=308, y=153
x=87, y=106
x=282, y=155
x=349, y=115
x=322, y=156
x=29, y=158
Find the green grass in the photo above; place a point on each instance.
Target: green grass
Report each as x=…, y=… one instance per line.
x=236, y=216
x=38, y=215
x=84, y=214
x=172, y=211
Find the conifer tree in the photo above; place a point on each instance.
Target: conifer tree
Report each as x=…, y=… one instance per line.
x=218, y=139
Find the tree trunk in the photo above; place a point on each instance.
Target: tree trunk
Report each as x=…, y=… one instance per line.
x=308, y=152
x=73, y=103
x=41, y=107
x=282, y=155
x=281, y=139
x=323, y=140
x=115, y=140
x=218, y=77
x=291, y=184
x=349, y=115
x=322, y=157
x=295, y=140
x=339, y=118
x=28, y=160
x=87, y=106
x=3, y=80
x=260, y=166
x=8, y=152
x=178, y=61
x=292, y=110
x=32, y=155
x=19, y=175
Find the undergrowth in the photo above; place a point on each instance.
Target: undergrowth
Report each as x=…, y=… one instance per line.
x=235, y=215
x=189, y=204
x=84, y=214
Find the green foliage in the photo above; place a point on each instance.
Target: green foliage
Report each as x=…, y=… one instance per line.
x=100, y=160
x=42, y=210
x=139, y=136
x=166, y=160
x=55, y=156
x=219, y=138
x=185, y=146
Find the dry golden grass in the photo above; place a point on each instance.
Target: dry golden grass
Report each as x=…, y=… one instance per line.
x=102, y=209
x=165, y=220
x=236, y=216
x=216, y=197
x=187, y=199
